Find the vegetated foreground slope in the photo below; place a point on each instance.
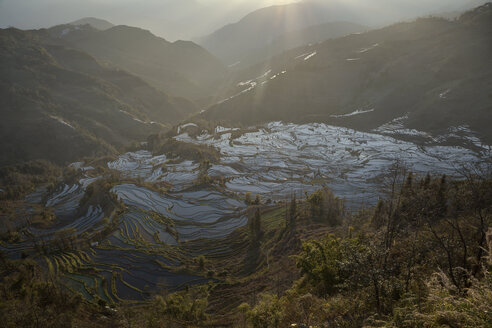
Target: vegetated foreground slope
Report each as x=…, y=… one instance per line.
x=61, y=104
x=377, y=266
x=181, y=68
x=430, y=73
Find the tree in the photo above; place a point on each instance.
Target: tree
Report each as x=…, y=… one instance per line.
x=268, y=313
x=186, y=307
x=244, y=309
x=443, y=307
x=201, y=262
x=292, y=214
x=247, y=198
x=319, y=261
x=203, y=177
x=325, y=205
x=315, y=201
x=255, y=227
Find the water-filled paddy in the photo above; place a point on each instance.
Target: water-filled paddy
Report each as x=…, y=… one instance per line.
x=199, y=214
x=158, y=230
x=281, y=159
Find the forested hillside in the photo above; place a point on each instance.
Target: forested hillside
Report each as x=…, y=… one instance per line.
x=61, y=104
x=181, y=68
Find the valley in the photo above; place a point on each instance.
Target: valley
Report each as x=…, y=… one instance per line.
x=313, y=164
x=167, y=218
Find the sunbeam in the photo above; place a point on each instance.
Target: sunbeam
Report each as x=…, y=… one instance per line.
x=245, y=163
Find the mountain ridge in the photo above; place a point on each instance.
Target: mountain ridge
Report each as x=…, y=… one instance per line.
x=96, y=23
x=180, y=68
x=61, y=104
x=258, y=28
x=428, y=69
x=294, y=39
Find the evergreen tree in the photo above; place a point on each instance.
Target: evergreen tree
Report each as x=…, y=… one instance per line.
x=255, y=227
x=427, y=181
x=247, y=198
x=203, y=177
x=407, y=187
x=292, y=214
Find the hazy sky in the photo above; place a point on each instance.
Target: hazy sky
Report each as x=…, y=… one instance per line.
x=168, y=18
x=171, y=19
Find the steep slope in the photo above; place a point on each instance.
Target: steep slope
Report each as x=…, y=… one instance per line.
x=294, y=39
x=99, y=24
x=233, y=43
x=431, y=73
x=60, y=104
x=457, y=12
x=180, y=68
x=259, y=28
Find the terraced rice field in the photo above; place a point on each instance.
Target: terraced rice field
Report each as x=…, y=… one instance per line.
x=280, y=159
x=200, y=214
x=159, y=233
x=65, y=203
x=115, y=275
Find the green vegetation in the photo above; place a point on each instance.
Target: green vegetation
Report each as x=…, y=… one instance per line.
x=27, y=300
x=72, y=254
x=203, y=177
x=99, y=193
x=255, y=229
x=60, y=104
x=19, y=180
x=182, y=68
x=324, y=205
x=163, y=144
x=418, y=260
x=247, y=198
x=292, y=214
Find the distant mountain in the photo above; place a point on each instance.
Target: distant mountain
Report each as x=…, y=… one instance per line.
x=61, y=104
x=471, y=4
x=259, y=28
x=181, y=68
x=237, y=42
x=294, y=39
x=458, y=11
x=99, y=24
x=431, y=74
